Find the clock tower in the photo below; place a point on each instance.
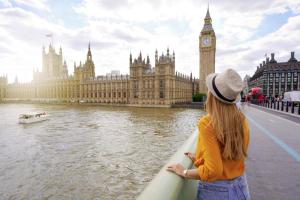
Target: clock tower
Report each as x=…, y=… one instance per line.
x=207, y=48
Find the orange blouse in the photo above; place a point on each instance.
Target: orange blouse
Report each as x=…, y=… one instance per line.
x=211, y=166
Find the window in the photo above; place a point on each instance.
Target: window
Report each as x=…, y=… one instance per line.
x=161, y=84
x=161, y=95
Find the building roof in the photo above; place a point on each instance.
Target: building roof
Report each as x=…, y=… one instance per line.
x=267, y=65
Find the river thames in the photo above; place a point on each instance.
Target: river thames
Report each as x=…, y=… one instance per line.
x=87, y=152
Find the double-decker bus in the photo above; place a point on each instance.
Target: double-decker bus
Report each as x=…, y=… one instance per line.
x=255, y=95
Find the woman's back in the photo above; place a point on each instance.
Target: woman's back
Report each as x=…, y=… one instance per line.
x=209, y=151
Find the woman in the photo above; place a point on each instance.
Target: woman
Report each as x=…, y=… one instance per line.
x=222, y=143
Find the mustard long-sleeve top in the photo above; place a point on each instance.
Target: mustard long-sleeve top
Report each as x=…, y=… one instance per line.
x=209, y=162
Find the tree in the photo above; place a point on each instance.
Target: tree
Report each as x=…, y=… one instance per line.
x=199, y=97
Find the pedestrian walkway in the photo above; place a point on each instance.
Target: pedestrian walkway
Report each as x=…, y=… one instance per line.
x=286, y=115
x=273, y=166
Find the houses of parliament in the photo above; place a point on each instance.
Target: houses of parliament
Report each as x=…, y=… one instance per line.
x=158, y=86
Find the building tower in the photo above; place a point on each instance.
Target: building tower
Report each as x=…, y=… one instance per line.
x=52, y=63
x=207, y=48
x=89, y=64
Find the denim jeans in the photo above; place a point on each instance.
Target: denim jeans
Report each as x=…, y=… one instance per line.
x=236, y=189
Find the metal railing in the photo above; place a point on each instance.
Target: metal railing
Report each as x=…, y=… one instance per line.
x=169, y=186
x=286, y=106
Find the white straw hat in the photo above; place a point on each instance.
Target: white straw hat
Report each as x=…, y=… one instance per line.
x=225, y=86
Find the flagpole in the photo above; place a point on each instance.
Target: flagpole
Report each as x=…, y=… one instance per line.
x=51, y=36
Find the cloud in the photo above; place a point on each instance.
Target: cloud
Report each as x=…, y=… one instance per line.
x=38, y=4
x=116, y=28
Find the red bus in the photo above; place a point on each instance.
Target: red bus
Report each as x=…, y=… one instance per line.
x=255, y=95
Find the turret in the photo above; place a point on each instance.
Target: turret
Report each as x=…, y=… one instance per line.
x=65, y=69
x=273, y=58
x=156, y=56
x=60, y=51
x=168, y=54
x=89, y=54
x=207, y=22
x=292, y=59
x=130, y=58
x=140, y=56
x=148, y=59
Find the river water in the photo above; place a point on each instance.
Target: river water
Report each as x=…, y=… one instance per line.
x=87, y=152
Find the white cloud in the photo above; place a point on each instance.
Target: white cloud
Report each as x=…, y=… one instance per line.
x=38, y=4
x=5, y=3
x=117, y=27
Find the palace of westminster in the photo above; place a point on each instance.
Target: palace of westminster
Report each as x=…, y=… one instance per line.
x=145, y=85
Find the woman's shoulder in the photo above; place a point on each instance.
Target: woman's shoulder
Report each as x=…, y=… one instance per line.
x=204, y=120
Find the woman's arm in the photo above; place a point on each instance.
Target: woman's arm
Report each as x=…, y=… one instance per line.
x=212, y=167
x=179, y=170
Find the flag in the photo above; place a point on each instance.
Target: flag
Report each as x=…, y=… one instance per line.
x=49, y=35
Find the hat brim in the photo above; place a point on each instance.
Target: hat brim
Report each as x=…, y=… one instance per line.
x=209, y=86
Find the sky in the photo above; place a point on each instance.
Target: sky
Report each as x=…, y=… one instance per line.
x=246, y=31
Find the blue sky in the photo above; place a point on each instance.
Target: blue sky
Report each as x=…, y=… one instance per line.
x=245, y=31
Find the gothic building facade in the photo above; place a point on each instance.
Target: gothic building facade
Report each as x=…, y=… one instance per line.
x=275, y=78
x=160, y=85
x=146, y=85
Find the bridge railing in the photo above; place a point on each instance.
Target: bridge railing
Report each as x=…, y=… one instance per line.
x=169, y=186
x=286, y=106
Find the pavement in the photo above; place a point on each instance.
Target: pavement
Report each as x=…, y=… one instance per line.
x=286, y=115
x=273, y=166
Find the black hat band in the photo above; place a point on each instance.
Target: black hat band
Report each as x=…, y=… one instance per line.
x=218, y=93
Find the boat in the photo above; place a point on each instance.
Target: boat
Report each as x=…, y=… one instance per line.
x=32, y=117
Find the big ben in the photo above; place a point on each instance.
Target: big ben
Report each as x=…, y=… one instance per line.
x=207, y=48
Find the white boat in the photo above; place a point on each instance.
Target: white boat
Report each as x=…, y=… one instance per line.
x=32, y=117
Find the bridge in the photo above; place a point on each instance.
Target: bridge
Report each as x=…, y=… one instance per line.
x=273, y=166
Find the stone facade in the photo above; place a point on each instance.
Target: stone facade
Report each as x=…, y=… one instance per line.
x=207, y=49
x=160, y=85
x=3, y=86
x=275, y=78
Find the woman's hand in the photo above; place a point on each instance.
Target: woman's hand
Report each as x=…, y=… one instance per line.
x=177, y=169
x=190, y=155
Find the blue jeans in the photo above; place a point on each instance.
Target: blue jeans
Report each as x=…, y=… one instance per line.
x=236, y=189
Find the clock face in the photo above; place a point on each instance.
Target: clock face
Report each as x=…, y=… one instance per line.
x=206, y=41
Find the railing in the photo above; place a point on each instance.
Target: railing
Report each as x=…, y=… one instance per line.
x=286, y=106
x=169, y=186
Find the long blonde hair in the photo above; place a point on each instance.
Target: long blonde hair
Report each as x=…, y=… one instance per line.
x=227, y=121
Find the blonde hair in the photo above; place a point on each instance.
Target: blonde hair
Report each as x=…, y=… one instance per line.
x=227, y=121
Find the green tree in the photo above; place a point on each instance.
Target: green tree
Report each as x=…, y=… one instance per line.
x=199, y=97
